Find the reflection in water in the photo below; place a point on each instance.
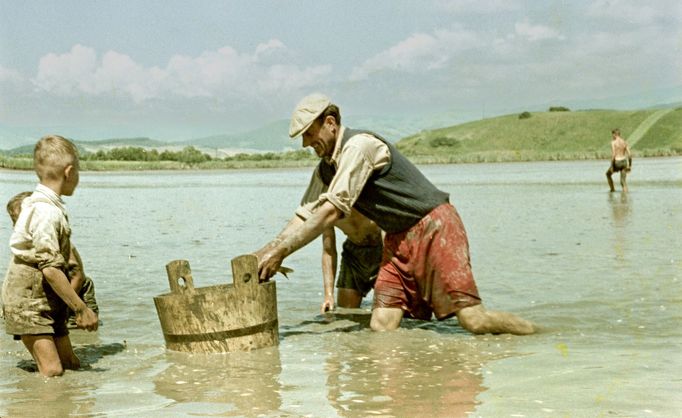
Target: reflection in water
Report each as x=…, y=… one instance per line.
x=246, y=381
x=63, y=396
x=423, y=369
x=339, y=320
x=88, y=354
x=378, y=374
x=620, y=208
x=56, y=397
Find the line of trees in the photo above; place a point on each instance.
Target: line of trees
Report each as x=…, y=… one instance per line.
x=188, y=155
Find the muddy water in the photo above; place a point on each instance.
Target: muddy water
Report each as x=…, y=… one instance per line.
x=600, y=272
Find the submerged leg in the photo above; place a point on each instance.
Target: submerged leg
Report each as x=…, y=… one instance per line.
x=623, y=180
x=348, y=298
x=44, y=352
x=66, y=355
x=609, y=172
x=477, y=320
x=386, y=319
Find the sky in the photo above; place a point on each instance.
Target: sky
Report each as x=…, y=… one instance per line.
x=174, y=70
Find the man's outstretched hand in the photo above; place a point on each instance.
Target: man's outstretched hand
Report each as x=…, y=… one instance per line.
x=269, y=263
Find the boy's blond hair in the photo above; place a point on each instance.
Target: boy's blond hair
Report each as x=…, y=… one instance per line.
x=52, y=154
x=14, y=205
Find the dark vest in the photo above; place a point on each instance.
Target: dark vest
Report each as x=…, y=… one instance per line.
x=395, y=197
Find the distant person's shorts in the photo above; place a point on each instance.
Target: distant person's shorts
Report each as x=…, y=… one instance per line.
x=30, y=306
x=426, y=270
x=359, y=267
x=619, y=165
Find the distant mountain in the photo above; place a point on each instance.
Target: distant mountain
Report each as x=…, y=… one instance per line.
x=271, y=137
x=275, y=135
x=93, y=146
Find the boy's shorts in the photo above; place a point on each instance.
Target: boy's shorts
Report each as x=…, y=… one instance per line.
x=619, y=165
x=359, y=267
x=427, y=269
x=30, y=305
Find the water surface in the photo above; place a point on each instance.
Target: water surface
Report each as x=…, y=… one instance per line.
x=600, y=272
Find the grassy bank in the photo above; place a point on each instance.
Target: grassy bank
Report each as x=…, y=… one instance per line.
x=475, y=157
x=548, y=136
x=23, y=163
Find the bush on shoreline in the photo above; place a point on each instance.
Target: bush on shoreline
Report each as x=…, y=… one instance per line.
x=295, y=160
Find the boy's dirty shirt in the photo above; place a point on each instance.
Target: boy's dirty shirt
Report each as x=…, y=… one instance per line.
x=41, y=239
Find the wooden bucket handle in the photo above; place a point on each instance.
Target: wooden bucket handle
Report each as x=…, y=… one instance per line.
x=245, y=271
x=179, y=269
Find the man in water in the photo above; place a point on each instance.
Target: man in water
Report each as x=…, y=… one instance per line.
x=621, y=160
x=360, y=259
x=425, y=268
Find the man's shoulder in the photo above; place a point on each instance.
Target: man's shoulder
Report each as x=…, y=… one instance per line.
x=365, y=140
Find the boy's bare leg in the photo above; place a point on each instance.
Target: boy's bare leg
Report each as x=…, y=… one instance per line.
x=610, y=180
x=348, y=298
x=477, y=320
x=623, y=182
x=44, y=351
x=68, y=358
x=386, y=319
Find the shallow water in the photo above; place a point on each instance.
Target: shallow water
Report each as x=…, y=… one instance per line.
x=600, y=272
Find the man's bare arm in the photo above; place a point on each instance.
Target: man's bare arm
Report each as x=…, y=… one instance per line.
x=291, y=226
x=324, y=217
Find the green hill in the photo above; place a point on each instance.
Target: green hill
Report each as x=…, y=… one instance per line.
x=554, y=135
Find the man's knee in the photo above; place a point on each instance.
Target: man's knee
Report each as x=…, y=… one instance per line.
x=473, y=319
x=386, y=319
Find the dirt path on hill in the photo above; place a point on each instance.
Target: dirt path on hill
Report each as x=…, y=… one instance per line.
x=643, y=127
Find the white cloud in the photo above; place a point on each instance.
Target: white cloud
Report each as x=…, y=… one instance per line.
x=217, y=74
x=419, y=52
x=535, y=32
x=477, y=6
x=636, y=12
x=8, y=75
x=291, y=78
x=67, y=73
x=269, y=48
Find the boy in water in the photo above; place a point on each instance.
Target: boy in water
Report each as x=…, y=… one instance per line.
x=80, y=283
x=360, y=258
x=621, y=160
x=36, y=291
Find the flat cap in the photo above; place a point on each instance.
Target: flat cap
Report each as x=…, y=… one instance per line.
x=307, y=110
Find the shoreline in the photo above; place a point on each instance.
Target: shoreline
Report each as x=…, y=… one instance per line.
x=26, y=164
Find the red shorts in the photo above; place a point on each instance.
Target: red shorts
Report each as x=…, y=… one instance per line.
x=427, y=269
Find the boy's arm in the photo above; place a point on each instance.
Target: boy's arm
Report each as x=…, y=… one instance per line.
x=85, y=317
x=328, y=268
x=76, y=273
